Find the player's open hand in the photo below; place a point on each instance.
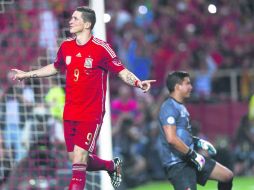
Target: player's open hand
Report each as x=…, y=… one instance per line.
x=18, y=75
x=145, y=85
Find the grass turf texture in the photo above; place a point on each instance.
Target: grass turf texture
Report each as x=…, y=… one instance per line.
x=239, y=183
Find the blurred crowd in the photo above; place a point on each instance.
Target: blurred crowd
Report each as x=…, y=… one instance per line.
x=151, y=37
x=157, y=36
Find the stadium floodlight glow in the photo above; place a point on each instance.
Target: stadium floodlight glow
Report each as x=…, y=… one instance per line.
x=142, y=9
x=212, y=9
x=107, y=18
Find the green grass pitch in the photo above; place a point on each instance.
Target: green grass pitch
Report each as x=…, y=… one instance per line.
x=239, y=183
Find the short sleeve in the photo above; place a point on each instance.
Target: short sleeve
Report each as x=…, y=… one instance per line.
x=111, y=61
x=168, y=115
x=115, y=65
x=59, y=61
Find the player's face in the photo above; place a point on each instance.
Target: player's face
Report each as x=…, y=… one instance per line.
x=185, y=87
x=76, y=23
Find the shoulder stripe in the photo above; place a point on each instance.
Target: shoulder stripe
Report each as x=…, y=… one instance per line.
x=105, y=46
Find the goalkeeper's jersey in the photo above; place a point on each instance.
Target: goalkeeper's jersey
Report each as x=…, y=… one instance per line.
x=173, y=113
x=86, y=67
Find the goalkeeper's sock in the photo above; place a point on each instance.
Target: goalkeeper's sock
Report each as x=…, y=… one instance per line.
x=225, y=185
x=78, y=180
x=95, y=164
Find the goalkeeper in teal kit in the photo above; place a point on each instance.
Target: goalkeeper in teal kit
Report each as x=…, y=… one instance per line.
x=185, y=168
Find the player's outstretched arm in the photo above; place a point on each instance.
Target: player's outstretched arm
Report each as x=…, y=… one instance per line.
x=131, y=79
x=205, y=145
x=46, y=71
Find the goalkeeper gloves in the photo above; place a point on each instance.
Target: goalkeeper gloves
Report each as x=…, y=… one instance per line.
x=197, y=159
x=205, y=145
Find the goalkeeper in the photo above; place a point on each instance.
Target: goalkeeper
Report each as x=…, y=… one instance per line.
x=183, y=165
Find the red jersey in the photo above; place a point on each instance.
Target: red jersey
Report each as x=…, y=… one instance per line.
x=86, y=67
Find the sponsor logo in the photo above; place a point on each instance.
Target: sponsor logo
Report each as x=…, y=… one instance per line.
x=68, y=60
x=88, y=63
x=76, y=179
x=184, y=112
x=78, y=55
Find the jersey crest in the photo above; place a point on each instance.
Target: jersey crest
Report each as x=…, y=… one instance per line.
x=68, y=60
x=88, y=63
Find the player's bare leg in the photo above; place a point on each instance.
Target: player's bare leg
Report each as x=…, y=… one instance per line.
x=80, y=157
x=223, y=175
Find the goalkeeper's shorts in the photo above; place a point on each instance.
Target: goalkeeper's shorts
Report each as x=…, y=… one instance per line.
x=184, y=175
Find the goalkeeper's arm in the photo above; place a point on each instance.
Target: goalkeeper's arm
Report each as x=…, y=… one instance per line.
x=46, y=71
x=178, y=144
x=205, y=145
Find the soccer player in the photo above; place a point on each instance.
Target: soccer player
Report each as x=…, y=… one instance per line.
x=183, y=165
x=86, y=62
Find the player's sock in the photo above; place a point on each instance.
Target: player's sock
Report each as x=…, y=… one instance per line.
x=95, y=164
x=78, y=180
x=225, y=185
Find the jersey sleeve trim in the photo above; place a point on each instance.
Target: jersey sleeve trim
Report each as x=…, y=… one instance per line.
x=105, y=46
